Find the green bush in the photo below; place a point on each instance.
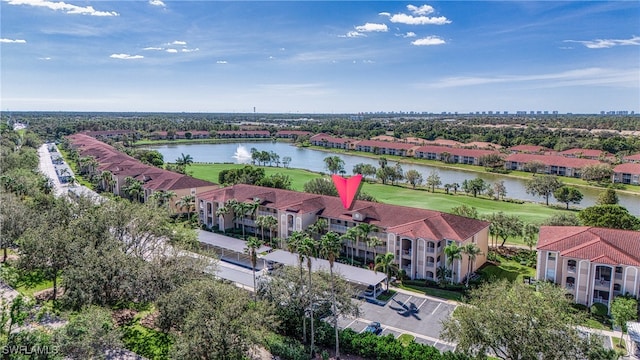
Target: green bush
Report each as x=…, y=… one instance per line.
x=148, y=343
x=599, y=309
x=285, y=348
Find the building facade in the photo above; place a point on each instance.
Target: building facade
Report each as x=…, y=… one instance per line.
x=594, y=265
x=417, y=237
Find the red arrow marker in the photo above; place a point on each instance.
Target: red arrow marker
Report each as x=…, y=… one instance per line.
x=347, y=188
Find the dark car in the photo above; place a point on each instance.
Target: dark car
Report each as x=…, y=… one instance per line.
x=374, y=328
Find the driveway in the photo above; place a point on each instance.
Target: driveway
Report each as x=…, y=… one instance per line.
x=412, y=314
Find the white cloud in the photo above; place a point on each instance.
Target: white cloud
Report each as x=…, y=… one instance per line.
x=607, y=43
x=428, y=41
x=153, y=48
x=422, y=10
x=419, y=20
x=44, y=58
x=178, y=42
x=62, y=6
x=190, y=50
x=221, y=62
x=384, y=13
x=352, y=34
x=13, y=41
x=578, y=77
x=372, y=27
x=157, y=3
x=173, y=51
x=126, y=56
x=409, y=34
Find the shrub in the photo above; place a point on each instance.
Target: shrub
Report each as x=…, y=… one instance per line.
x=599, y=309
x=285, y=348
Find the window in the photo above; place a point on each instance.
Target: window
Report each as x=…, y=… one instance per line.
x=571, y=265
x=551, y=256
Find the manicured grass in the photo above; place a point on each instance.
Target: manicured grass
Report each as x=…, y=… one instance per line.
x=29, y=290
x=440, y=293
x=507, y=269
x=406, y=339
x=385, y=296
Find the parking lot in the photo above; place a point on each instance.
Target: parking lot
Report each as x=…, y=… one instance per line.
x=405, y=313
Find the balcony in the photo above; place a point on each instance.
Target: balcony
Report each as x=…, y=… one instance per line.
x=603, y=283
x=570, y=286
x=571, y=269
x=431, y=264
x=338, y=228
x=601, y=301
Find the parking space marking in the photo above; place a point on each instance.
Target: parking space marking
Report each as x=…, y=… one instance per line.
x=416, y=335
x=351, y=323
x=405, y=303
x=424, y=301
x=436, y=309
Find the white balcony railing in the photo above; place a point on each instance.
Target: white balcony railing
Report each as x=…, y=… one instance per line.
x=571, y=269
x=602, y=283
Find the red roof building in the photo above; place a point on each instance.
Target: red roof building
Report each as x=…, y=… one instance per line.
x=592, y=264
x=290, y=134
x=243, y=134
x=635, y=158
x=122, y=166
x=417, y=237
x=385, y=147
x=586, y=153
x=554, y=165
x=452, y=155
x=627, y=173
x=332, y=142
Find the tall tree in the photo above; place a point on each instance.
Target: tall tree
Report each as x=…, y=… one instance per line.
x=253, y=244
x=433, y=180
x=504, y=226
x=308, y=248
x=366, y=170
x=472, y=251
x=608, y=197
x=319, y=227
x=500, y=189
x=364, y=231
x=187, y=202
x=466, y=211
x=184, y=160
x=512, y=321
x=414, y=178
x=568, y=195
x=334, y=164
x=623, y=309
x=320, y=186
x=330, y=245
x=609, y=216
x=543, y=186
x=386, y=263
x=452, y=252
x=530, y=233
x=89, y=335
x=15, y=219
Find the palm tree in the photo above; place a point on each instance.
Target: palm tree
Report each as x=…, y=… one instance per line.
x=240, y=210
x=107, y=179
x=293, y=245
x=472, y=251
x=307, y=248
x=253, y=244
x=271, y=222
x=221, y=212
x=386, y=263
x=133, y=188
x=319, y=227
x=364, y=230
x=330, y=245
x=373, y=242
x=188, y=202
x=261, y=223
x=452, y=252
x=184, y=160
x=163, y=197
x=352, y=237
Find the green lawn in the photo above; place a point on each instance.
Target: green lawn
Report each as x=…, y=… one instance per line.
x=507, y=269
x=210, y=172
x=435, y=292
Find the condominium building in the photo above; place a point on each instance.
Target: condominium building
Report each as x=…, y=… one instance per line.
x=417, y=237
x=593, y=264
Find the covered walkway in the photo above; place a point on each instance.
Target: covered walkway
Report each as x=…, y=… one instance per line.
x=230, y=249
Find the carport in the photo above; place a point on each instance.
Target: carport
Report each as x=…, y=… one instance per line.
x=359, y=277
x=229, y=249
x=633, y=329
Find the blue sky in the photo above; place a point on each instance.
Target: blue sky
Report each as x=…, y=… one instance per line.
x=319, y=57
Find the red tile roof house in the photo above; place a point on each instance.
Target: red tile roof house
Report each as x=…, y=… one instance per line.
x=122, y=166
x=292, y=134
x=627, y=173
x=452, y=155
x=593, y=264
x=385, y=147
x=417, y=237
x=635, y=158
x=586, y=154
x=554, y=165
x=257, y=134
x=110, y=134
x=195, y=134
x=333, y=142
x=528, y=149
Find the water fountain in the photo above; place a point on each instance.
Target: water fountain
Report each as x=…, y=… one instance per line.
x=242, y=155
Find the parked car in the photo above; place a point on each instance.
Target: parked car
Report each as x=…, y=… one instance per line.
x=374, y=328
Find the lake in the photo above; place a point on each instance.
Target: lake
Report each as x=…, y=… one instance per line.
x=311, y=159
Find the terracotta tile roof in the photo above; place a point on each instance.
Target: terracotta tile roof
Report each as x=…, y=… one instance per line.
x=244, y=132
x=406, y=220
x=293, y=132
x=528, y=148
x=627, y=168
x=384, y=138
x=331, y=139
x=634, y=157
x=482, y=145
x=445, y=142
x=601, y=245
x=120, y=164
x=555, y=160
